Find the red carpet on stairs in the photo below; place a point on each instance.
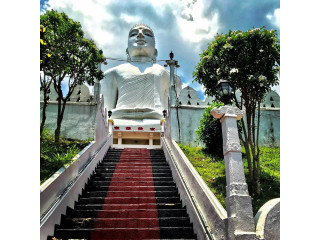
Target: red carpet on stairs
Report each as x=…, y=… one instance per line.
x=130, y=195
x=128, y=212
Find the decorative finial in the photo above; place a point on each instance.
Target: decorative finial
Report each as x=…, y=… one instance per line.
x=164, y=113
x=171, y=55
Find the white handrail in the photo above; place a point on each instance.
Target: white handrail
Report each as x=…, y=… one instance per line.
x=205, y=210
x=62, y=189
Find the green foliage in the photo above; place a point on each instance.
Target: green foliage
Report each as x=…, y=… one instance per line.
x=64, y=52
x=249, y=60
x=270, y=176
x=209, y=131
x=54, y=156
x=212, y=172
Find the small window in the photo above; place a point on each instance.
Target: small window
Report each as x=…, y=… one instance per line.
x=189, y=103
x=189, y=95
x=68, y=100
x=180, y=103
x=264, y=105
x=272, y=105
x=78, y=100
x=79, y=92
x=197, y=103
x=271, y=99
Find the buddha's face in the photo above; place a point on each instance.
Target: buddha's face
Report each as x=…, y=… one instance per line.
x=141, y=43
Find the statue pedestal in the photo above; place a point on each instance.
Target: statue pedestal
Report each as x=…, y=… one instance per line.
x=136, y=133
x=136, y=139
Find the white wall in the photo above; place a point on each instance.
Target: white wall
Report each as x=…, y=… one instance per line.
x=190, y=115
x=78, y=120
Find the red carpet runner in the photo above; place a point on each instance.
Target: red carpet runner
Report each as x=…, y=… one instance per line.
x=129, y=210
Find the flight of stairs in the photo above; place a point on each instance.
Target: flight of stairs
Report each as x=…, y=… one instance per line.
x=131, y=195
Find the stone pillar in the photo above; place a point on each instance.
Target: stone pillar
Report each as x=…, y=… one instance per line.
x=162, y=122
x=238, y=202
x=151, y=139
x=172, y=63
x=119, y=138
x=96, y=90
x=173, y=100
x=110, y=126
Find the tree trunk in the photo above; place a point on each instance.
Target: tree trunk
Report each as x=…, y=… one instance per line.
x=59, y=120
x=57, y=131
x=44, y=117
x=251, y=146
x=246, y=147
x=43, y=120
x=258, y=155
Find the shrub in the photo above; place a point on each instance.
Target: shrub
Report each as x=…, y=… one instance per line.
x=209, y=132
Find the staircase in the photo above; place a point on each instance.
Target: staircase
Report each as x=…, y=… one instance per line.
x=131, y=195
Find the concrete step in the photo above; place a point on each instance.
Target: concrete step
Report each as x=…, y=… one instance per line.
x=127, y=233
x=132, y=183
x=129, y=188
x=130, y=194
x=128, y=206
x=127, y=200
x=129, y=213
x=114, y=223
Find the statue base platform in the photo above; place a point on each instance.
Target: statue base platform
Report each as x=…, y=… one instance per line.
x=144, y=133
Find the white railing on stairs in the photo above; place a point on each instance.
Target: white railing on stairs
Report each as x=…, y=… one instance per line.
x=206, y=212
x=63, y=188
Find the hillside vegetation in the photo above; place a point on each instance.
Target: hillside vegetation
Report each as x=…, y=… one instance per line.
x=54, y=156
x=212, y=171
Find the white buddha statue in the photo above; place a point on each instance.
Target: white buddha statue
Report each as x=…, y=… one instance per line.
x=137, y=92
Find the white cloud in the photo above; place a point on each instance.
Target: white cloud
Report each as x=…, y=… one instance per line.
x=193, y=26
x=275, y=17
x=185, y=85
x=129, y=18
x=183, y=26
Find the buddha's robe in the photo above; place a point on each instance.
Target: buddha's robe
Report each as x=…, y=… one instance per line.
x=136, y=99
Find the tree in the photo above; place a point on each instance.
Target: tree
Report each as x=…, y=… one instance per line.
x=72, y=57
x=45, y=82
x=250, y=61
x=209, y=132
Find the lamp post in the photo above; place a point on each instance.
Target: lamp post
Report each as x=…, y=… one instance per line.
x=173, y=95
x=225, y=91
x=172, y=64
x=97, y=82
x=238, y=201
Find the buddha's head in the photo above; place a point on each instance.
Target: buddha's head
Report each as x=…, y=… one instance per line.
x=141, y=43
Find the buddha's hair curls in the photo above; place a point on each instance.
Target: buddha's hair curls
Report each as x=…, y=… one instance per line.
x=141, y=24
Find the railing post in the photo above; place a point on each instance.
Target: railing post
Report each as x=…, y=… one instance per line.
x=110, y=126
x=238, y=202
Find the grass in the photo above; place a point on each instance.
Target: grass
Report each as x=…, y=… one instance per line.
x=54, y=156
x=212, y=172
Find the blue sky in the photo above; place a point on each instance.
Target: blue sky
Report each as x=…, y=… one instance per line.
x=183, y=26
